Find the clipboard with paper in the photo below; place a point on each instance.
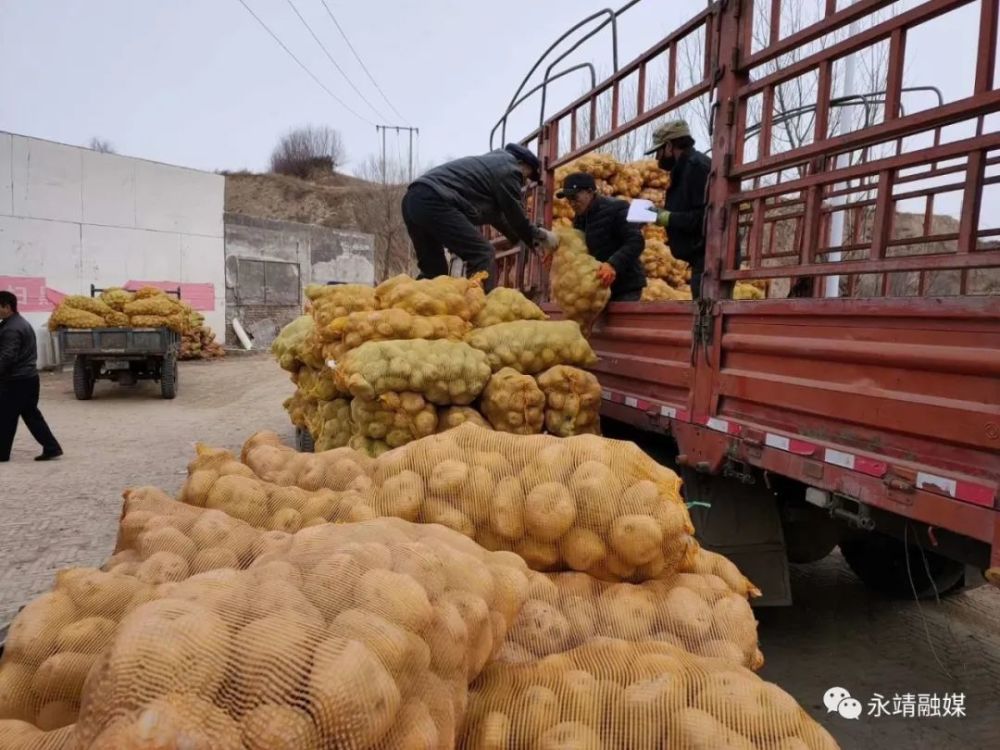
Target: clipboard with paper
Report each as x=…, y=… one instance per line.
x=641, y=211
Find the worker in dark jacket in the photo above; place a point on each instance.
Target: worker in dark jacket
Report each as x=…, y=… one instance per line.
x=443, y=208
x=19, y=383
x=683, y=214
x=610, y=238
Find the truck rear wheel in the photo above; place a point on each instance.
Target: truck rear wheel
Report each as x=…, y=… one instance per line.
x=880, y=561
x=168, y=377
x=304, y=441
x=83, y=379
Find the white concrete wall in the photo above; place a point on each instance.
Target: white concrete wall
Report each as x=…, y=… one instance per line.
x=75, y=217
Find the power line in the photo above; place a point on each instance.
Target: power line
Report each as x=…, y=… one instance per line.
x=335, y=64
x=361, y=62
x=312, y=75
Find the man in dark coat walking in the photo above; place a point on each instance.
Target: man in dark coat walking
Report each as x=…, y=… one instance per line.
x=19, y=384
x=444, y=208
x=684, y=208
x=610, y=237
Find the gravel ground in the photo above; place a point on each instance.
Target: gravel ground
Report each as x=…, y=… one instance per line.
x=64, y=513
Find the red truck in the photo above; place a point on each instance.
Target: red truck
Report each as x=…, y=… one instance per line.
x=802, y=422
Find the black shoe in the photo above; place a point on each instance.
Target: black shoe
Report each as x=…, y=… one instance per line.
x=48, y=456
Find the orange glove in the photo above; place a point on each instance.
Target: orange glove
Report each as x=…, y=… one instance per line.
x=606, y=274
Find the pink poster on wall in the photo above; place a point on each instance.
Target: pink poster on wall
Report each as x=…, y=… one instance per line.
x=201, y=297
x=31, y=292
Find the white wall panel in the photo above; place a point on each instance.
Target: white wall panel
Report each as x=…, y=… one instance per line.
x=108, y=189
x=47, y=180
x=6, y=174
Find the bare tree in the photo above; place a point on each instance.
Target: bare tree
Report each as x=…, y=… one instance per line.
x=101, y=146
x=308, y=150
x=377, y=211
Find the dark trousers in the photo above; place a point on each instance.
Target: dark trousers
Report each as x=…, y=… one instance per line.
x=434, y=225
x=19, y=400
x=634, y=296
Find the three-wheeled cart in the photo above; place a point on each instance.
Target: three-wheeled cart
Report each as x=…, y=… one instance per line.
x=122, y=355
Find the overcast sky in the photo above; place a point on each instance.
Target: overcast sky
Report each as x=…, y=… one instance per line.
x=201, y=84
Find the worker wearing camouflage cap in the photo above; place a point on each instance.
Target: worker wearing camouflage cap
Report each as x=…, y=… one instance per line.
x=683, y=214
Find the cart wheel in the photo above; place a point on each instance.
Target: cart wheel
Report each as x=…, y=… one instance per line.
x=304, y=441
x=83, y=379
x=880, y=562
x=168, y=377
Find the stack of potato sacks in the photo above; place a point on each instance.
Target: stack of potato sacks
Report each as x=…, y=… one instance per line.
x=378, y=368
x=471, y=589
x=148, y=307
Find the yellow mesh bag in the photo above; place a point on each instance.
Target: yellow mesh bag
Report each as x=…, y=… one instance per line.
x=536, y=494
x=642, y=696
x=450, y=417
x=317, y=384
x=278, y=464
x=651, y=174
x=369, y=447
x=572, y=401
x=444, y=295
x=159, y=304
x=514, y=403
x=654, y=232
x=698, y=612
x=330, y=424
x=299, y=408
x=706, y=562
x=444, y=372
x=573, y=279
x=531, y=346
x=627, y=182
x=505, y=305
x=287, y=345
x=69, y=317
x=90, y=304
x=116, y=319
x=330, y=302
x=116, y=298
x=658, y=197
x=395, y=418
x=659, y=263
x=658, y=290
x=747, y=292
x=353, y=330
x=351, y=636
x=174, y=322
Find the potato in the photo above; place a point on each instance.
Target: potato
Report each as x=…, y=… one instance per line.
x=401, y=496
x=538, y=555
x=61, y=676
x=414, y=728
x=626, y=611
x=684, y=612
x=88, y=636
x=570, y=735
x=271, y=658
x=538, y=711
x=165, y=539
x=636, y=539
x=448, y=637
x=395, y=596
x=173, y=721
x=211, y=528
x=582, y=549
x=494, y=732
x=97, y=593
x=57, y=714
x=212, y=558
x=272, y=727
x=549, y=512
x=541, y=628
x=16, y=699
x=240, y=497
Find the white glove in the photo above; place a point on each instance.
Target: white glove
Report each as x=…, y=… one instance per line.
x=545, y=238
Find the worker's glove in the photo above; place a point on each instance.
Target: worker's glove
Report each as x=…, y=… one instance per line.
x=663, y=218
x=546, y=239
x=606, y=274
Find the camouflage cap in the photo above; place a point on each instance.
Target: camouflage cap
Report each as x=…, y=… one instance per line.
x=667, y=132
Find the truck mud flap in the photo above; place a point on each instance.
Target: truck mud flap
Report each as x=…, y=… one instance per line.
x=741, y=521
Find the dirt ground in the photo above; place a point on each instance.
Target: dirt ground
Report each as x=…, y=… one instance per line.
x=54, y=515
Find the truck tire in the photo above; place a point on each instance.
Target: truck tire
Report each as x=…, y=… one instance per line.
x=880, y=561
x=83, y=379
x=168, y=377
x=304, y=441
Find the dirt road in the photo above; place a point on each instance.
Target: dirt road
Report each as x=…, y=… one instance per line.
x=837, y=635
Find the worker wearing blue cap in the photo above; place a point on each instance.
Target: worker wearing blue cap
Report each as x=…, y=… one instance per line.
x=444, y=207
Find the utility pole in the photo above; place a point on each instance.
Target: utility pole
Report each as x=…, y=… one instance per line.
x=397, y=128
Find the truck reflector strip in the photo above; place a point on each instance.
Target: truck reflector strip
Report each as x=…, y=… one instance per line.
x=969, y=492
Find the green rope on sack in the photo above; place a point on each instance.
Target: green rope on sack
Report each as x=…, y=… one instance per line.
x=698, y=504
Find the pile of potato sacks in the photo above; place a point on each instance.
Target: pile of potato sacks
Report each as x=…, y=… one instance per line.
x=472, y=589
x=667, y=278
x=376, y=368
x=148, y=307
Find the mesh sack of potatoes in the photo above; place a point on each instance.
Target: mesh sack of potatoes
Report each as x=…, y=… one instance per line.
x=658, y=290
x=317, y=384
x=647, y=695
x=174, y=322
x=330, y=424
x=654, y=232
x=698, y=612
x=327, y=303
x=90, y=304
x=653, y=194
x=505, y=305
x=116, y=298
x=627, y=182
x=299, y=408
x=531, y=346
x=601, y=166
x=117, y=319
x=572, y=401
x=744, y=291
x=444, y=372
x=444, y=295
x=450, y=417
x=70, y=317
x=337, y=469
x=218, y=481
x=370, y=447
x=573, y=279
x=353, y=330
x=553, y=501
x=395, y=418
x=659, y=263
x=287, y=345
x=158, y=304
x=362, y=636
x=651, y=174
x=514, y=403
